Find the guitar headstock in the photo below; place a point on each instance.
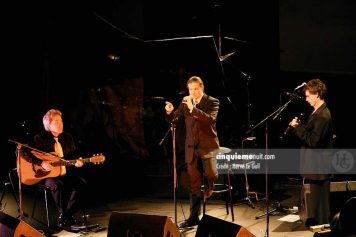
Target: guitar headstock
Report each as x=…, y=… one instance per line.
x=97, y=159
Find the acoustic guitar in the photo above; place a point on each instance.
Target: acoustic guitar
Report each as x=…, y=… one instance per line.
x=32, y=173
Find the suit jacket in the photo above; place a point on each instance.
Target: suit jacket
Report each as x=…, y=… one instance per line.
x=201, y=134
x=317, y=141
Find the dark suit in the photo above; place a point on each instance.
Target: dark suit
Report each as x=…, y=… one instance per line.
x=201, y=141
x=315, y=159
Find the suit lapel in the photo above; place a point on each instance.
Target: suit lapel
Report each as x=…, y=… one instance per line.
x=203, y=102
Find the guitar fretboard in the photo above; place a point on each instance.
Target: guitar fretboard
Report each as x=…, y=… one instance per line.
x=69, y=162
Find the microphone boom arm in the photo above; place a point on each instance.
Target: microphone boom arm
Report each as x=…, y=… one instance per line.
x=32, y=148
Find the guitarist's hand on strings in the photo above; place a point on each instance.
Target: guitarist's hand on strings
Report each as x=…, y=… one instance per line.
x=46, y=165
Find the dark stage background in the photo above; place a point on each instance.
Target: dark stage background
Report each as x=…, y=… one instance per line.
x=109, y=67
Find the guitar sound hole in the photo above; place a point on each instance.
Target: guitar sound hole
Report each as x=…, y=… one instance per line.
x=40, y=173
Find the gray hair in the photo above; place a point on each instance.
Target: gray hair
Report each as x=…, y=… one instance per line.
x=47, y=118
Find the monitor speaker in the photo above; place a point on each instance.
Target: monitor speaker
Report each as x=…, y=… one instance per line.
x=343, y=222
x=141, y=225
x=10, y=226
x=210, y=226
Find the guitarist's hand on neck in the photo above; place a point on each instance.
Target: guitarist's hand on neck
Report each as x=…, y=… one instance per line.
x=79, y=163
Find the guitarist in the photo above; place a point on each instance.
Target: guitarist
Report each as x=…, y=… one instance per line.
x=66, y=187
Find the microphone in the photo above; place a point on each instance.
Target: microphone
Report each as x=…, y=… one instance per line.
x=245, y=75
x=290, y=127
x=185, y=101
x=158, y=98
x=294, y=96
x=300, y=86
x=225, y=57
x=250, y=138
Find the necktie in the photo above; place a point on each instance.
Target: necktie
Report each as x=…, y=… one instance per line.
x=58, y=148
x=195, y=104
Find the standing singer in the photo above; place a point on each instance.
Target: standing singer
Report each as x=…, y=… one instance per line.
x=316, y=138
x=199, y=111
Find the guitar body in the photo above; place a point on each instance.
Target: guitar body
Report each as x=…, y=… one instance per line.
x=32, y=174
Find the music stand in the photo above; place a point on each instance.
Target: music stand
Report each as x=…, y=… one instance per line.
x=274, y=114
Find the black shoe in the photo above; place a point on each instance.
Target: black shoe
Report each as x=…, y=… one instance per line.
x=70, y=221
x=190, y=222
x=61, y=220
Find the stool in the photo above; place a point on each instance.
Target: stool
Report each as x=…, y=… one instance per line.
x=45, y=189
x=220, y=188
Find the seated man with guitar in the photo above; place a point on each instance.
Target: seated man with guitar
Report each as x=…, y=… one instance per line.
x=49, y=162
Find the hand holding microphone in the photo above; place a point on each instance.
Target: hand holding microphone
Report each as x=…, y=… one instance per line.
x=169, y=107
x=294, y=123
x=188, y=100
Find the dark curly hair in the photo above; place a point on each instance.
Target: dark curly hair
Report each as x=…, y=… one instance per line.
x=315, y=86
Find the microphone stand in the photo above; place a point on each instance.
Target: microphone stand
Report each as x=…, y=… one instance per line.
x=274, y=114
x=19, y=173
x=18, y=164
x=173, y=129
x=247, y=198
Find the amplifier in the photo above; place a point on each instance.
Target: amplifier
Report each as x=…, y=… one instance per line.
x=340, y=192
x=342, y=186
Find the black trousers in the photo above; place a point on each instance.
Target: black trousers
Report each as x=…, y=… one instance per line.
x=65, y=191
x=197, y=169
x=318, y=202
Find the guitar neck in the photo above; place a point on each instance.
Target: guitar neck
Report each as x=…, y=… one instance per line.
x=69, y=162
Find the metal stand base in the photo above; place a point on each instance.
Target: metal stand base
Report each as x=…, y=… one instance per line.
x=247, y=201
x=277, y=210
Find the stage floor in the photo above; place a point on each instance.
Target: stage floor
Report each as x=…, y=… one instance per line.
x=245, y=215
